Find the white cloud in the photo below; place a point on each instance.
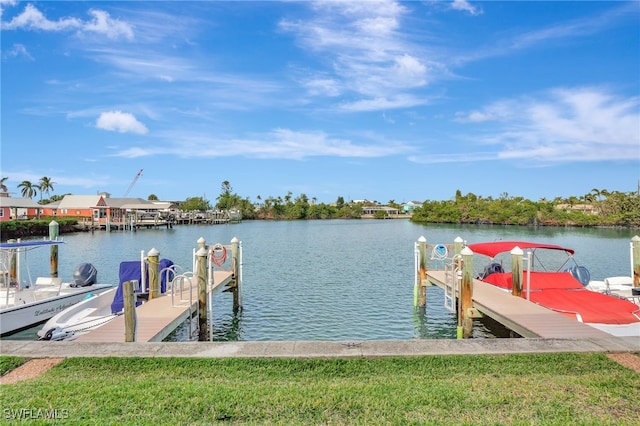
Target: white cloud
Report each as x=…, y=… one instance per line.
x=122, y=122
x=32, y=19
x=465, y=6
x=562, y=125
x=101, y=23
x=364, y=50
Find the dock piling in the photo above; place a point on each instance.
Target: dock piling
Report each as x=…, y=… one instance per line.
x=235, y=265
x=635, y=248
x=153, y=257
x=54, y=229
x=129, y=312
x=202, y=292
x=466, y=292
x=422, y=272
x=516, y=271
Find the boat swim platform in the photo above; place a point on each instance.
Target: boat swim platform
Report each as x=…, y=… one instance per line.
x=157, y=318
x=526, y=318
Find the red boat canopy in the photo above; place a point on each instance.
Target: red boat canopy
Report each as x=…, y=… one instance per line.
x=494, y=248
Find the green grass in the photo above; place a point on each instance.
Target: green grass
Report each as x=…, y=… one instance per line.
x=8, y=363
x=557, y=389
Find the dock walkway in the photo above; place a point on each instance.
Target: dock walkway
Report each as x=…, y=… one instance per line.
x=520, y=315
x=157, y=318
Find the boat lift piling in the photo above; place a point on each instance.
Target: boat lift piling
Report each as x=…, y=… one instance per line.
x=466, y=293
x=517, y=263
x=129, y=311
x=153, y=257
x=54, y=229
x=635, y=260
x=202, y=279
x=420, y=286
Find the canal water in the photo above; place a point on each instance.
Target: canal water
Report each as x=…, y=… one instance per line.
x=326, y=280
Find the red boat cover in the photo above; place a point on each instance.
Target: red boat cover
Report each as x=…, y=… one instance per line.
x=593, y=307
x=561, y=292
x=494, y=248
x=539, y=280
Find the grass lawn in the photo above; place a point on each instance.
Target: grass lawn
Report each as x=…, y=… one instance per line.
x=558, y=389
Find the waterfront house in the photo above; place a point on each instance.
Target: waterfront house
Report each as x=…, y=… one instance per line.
x=17, y=208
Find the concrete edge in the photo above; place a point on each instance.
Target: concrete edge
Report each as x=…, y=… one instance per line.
x=315, y=349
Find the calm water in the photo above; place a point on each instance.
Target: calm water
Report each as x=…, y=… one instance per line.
x=326, y=280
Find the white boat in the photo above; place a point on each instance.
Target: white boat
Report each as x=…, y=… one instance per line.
x=25, y=304
x=99, y=309
x=621, y=287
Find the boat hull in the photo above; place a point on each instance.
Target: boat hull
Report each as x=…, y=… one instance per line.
x=79, y=319
x=16, y=318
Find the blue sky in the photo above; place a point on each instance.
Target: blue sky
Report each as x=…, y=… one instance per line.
x=378, y=100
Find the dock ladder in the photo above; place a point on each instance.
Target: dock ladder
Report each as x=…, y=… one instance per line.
x=453, y=275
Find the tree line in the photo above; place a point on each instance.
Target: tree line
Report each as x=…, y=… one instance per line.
x=599, y=207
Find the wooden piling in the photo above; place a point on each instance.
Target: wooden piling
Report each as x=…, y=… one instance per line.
x=13, y=264
x=129, y=312
x=422, y=272
x=202, y=243
x=516, y=271
x=202, y=292
x=635, y=244
x=235, y=265
x=153, y=257
x=53, y=253
x=466, y=292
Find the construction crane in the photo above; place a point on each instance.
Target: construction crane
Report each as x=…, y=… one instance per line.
x=135, y=179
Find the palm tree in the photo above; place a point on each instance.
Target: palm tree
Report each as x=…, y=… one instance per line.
x=3, y=187
x=46, y=185
x=29, y=190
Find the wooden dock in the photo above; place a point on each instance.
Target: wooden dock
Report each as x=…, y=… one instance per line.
x=520, y=315
x=157, y=318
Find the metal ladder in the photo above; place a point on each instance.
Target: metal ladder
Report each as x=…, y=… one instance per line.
x=452, y=280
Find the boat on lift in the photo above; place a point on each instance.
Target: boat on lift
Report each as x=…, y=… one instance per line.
x=24, y=303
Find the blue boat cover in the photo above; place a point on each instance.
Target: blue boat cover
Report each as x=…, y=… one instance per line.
x=130, y=271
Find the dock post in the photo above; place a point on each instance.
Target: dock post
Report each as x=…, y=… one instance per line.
x=516, y=271
x=154, y=273
x=235, y=264
x=422, y=272
x=457, y=245
x=202, y=243
x=635, y=248
x=202, y=293
x=466, y=292
x=13, y=264
x=129, y=312
x=54, y=229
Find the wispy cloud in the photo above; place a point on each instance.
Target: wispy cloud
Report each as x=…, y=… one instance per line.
x=563, y=125
x=364, y=51
x=122, y=122
x=568, y=29
x=466, y=6
x=18, y=50
x=277, y=144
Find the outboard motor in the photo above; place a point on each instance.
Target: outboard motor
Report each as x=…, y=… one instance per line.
x=580, y=273
x=84, y=275
x=491, y=268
